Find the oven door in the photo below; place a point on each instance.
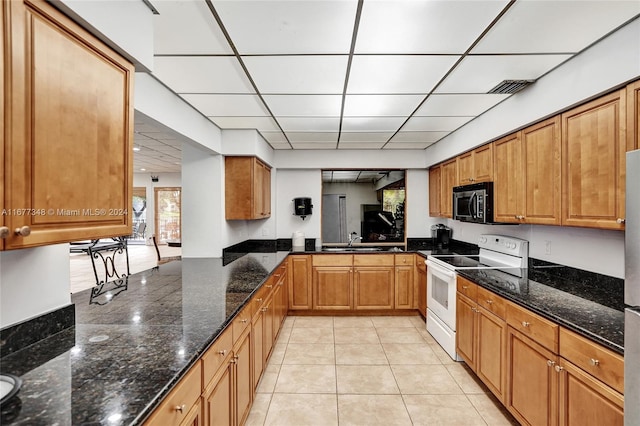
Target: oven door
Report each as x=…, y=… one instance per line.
x=441, y=293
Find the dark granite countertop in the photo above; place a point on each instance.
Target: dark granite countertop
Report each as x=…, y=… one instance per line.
x=589, y=308
x=125, y=354
x=122, y=357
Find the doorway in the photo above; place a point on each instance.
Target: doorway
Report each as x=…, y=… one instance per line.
x=168, y=222
x=334, y=218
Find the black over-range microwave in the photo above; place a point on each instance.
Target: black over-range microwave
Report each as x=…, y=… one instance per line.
x=473, y=203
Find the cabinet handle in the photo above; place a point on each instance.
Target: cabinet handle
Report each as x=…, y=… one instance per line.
x=464, y=287
x=620, y=220
x=259, y=299
x=489, y=302
x=24, y=231
x=525, y=324
x=269, y=286
x=244, y=321
x=236, y=357
x=550, y=363
x=264, y=309
x=594, y=362
x=558, y=368
x=180, y=408
x=223, y=352
x=4, y=232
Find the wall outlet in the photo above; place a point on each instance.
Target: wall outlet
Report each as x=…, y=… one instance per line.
x=547, y=247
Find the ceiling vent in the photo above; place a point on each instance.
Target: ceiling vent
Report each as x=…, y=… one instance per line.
x=511, y=86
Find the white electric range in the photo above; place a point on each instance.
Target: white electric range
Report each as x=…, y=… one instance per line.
x=508, y=254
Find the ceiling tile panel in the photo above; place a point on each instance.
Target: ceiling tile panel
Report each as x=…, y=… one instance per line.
x=368, y=137
x=314, y=145
x=309, y=124
x=380, y=105
x=186, y=27
x=407, y=136
x=555, y=26
x=274, y=137
x=360, y=145
x=267, y=124
x=312, y=137
x=304, y=105
x=289, y=27
x=202, y=74
x=371, y=124
x=227, y=105
x=458, y=105
x=397, y=73
x=479, y=74
x=409, y=26
x=298, y=74
x=407, y=145
x=435, y=124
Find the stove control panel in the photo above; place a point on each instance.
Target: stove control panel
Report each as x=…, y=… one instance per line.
x=504, y=244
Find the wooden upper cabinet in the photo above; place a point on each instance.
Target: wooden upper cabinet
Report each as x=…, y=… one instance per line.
x=68, y=130
x=448, y=180
x=434, y=191
x=633, y=116
x=247, y=188
x=508, y=184
x=528, y=175
x=594, y=145
x=476, y=166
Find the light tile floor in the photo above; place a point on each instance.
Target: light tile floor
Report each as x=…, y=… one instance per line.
x=141, y=257
x=368, y=371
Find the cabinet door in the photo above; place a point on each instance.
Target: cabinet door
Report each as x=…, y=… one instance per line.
x=593, y=155
x=532, y=382
x=299, y=280
x=257, y=346
x=266, y=191
x=508, y=186
x=194, y=416
x=218, y=399
x=633, y=116
x=267, y=333
x=491, y=351
x=449, y=179
x=373, y=287
x=587, y=401
x=434, y=191
x=261, y=189
x=466, y=329
x=542, y=173
x=69, y=131
x=332, y=288
x=243, y=382
x=404, y=287
x=483, y=163
x=465, y=168
x=421, y=277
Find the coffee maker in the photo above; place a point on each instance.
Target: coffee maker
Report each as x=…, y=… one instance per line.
x=441, y=235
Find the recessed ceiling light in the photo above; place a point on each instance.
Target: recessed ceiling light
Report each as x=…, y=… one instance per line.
x=143, y=170
x=136, y=148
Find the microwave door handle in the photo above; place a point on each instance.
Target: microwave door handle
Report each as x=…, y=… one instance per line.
x=472, y=206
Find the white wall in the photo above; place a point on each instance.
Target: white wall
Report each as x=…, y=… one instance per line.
x=33, y=282
x=292, y=184
x=417, y=220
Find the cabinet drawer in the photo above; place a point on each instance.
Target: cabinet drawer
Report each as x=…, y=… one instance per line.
x=405, y=259
x=178, y=403
x=241, y=322
x=534, y=326
x=600, y=362
x=216, y=355
x=467, y=288
x=372, y=260
x=491, y=302
x=260, y=297
x=332, y=260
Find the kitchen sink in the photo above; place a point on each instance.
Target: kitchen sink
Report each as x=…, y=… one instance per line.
x=349, y=249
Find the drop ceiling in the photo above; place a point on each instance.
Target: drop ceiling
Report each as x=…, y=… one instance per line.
x=369, y=74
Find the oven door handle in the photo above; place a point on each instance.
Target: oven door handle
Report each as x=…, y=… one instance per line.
x=472, y=205
x=439, y=270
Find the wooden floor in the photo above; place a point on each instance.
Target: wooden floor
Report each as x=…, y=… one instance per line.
x=141, y=257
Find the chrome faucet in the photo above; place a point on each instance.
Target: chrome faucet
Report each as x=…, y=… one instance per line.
x=353, y=237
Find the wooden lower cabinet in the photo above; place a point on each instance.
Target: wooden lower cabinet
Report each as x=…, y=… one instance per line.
x=404, y=285
x=585, y=400
x=333, y=287
x=421, y=286
x=178, y=407
x=532, y=389
x=194, y=417
x=218, y=400
x=373, y=287
x=299, y=280
x=243, y=395
x=481, y=342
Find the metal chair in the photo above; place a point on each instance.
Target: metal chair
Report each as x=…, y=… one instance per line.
x=111, y=269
